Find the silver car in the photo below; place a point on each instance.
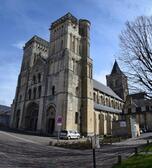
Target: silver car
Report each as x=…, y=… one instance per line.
x=69, y=134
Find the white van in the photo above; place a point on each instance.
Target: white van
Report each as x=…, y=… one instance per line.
x=69, y=134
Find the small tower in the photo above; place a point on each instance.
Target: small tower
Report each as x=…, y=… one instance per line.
x=118, y=81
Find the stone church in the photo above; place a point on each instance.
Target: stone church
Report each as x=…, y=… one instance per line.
x=56, y=81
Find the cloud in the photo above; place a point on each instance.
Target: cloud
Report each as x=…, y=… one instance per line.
x=101, y=76
x=19, y=44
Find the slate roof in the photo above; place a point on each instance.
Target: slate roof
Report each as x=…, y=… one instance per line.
x=106, y=108
x=105, y=89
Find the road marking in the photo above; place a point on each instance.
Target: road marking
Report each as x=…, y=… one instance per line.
x=23, y=139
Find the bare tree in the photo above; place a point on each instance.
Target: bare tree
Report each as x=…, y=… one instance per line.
x=136, y=52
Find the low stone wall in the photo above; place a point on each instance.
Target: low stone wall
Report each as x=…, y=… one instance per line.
x=73, y=144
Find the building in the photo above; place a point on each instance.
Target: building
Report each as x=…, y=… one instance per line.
x=5, y=113
x=139, y=109
x=56, y=81
x=118, y=82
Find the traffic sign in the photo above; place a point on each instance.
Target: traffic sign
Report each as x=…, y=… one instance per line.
x=59, y=120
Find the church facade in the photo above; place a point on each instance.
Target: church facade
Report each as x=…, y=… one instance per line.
x=56, y=81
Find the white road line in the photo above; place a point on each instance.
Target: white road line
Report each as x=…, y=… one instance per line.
x=23, y=139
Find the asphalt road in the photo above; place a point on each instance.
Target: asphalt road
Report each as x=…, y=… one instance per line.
x=26, y=151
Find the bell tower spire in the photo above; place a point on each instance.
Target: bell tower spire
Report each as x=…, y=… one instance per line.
x=118, y=81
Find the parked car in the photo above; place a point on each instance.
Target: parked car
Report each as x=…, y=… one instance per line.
x=69, y=134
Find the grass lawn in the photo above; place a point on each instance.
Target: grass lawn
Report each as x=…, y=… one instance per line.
x=136, y=161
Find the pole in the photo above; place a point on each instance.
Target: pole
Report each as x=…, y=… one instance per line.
x=94, y=158
x=93, y=141
x=58, y=133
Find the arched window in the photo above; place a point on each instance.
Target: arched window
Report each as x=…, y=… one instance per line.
x=107, y=102
x=53, y=90
x=29, y=94
x=34, y=93
x=39, y=91
x=39, y=77
x=77, y=91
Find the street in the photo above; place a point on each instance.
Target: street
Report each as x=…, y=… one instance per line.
x=18, y=150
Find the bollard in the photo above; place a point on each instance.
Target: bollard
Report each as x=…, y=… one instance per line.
x=119, y=159
x=94, y=158
x=136, y=150
x=147, y=142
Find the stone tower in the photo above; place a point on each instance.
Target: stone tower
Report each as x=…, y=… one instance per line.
x=70, y=73
x=118, y=82
x=87, y=116
x=28, y=101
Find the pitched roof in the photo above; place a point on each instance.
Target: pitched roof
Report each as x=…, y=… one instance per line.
x=116, y=69
x=105, y=89
x=106, y=108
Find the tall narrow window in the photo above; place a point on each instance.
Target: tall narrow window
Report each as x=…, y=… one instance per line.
x=76, y=117
x=20, y=97
x=80, y=50
x=53, y=90
x=73, y=45
x=29, y=94
x=39, y=77
x=94, y=97
x=101, y=99
x=61, y=44
x=34, y=79
x=39, y=91
x=34, y=93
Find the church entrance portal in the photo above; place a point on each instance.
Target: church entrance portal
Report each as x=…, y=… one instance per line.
x=32, y=117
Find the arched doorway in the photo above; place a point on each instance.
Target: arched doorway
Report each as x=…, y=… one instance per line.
x=17, y=118
x=50, y=120
x=31, y=116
